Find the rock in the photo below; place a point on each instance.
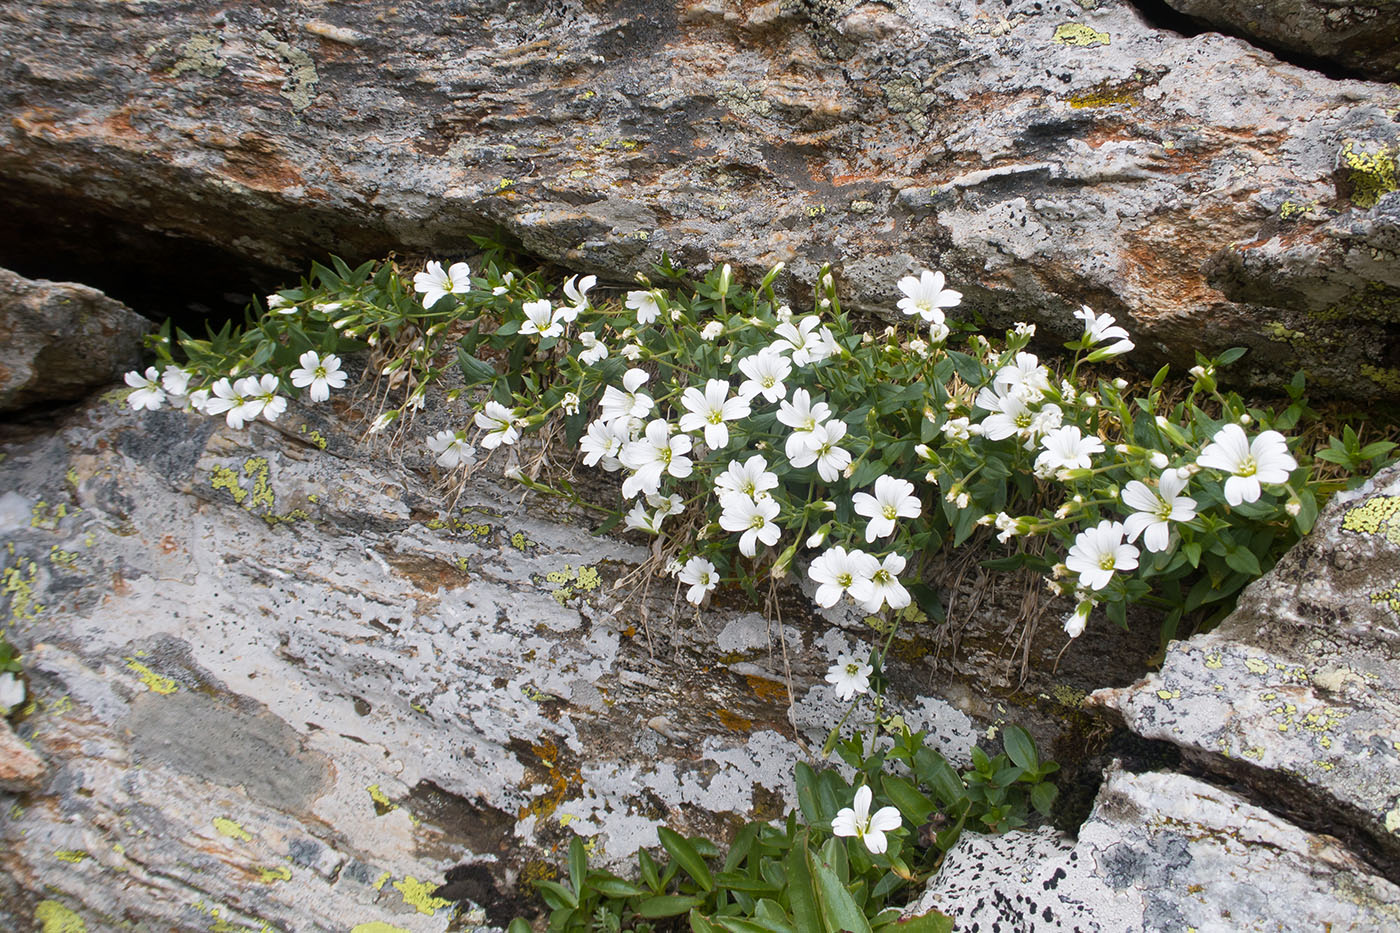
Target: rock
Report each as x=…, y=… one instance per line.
x=20, y=768
x=1162, y=852
x=278, y=682
x=61, y=340
x=1297, y=693
x=1361, y=37
x=1044, y=154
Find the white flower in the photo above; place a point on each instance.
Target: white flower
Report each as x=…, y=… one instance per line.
x=709, y=410
x=1101, y=327
x=1074, y=622
x=627, y=402
x=175, y=381
x=276, y=302
x=926, y=296
x=603, y=444
x=11, y=692
x=857, y=821
x=1022, y=329
x=831, y=460
x=570, y=403
x=1098, y=552
x=751, y=479
x=837, y=571
x=1010, y=415
x=766, y=371
x=451, y=448
x=232, y=398
x=639, y=519
x=808, y=341
x=1266, y=460
x=712, y=330
x=1066, y=448
x=504, y=287
x=893, y=499
x=885, y=586
x=270, y=403
x=542, y=319
x=1155, y=508
x=1025, y=378
x=149, y=394
x=850, y=676
x=803, y=417
x=321, y=375
x=594, y=350
x=498, y=422
x=957, y=429
x=755, y=519
x=645, y=304
x=436, y=284
x=671, y=504
x=656, y=453
x=699, y=574
x=578, y=294
x=199, y=401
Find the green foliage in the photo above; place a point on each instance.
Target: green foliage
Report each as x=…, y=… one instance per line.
x=9, y=658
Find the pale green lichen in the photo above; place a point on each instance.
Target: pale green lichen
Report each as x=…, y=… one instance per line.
x=300, y=84
x=224, y=478
x=73, y=856
x=1388, y=379
x=200, y=54
x=18, y=582
x=377, y=926
x=53, y=917
x=274, y=875
x=1378, y=515
x=314, y=437
x=1080, y=35
x=62, y=558
x=227, y=827
x=1372, y=174
x=382, y=803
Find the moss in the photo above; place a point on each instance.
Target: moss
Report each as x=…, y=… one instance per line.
x=1388, y=379
x=1370, y=174
x=1080, y=35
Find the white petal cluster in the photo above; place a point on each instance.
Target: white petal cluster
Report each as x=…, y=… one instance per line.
x=857, y=820
x=926, y=296
x=893, y=499
x=436, y=284
x=1264, y=460
x=1099, y=552
x=452, y=448
x=1156, y=508
x=498, y=423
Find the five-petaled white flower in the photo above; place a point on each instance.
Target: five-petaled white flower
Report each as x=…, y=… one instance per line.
x=838, y=571
x=808, y=341
x=1098, y=552
x=627, y=402
x=1025, y=378
x=645, y=304
x=639, y=519
x=175, y=381
x=652, y=455
x=885, y=586
x=320, y=374
x=1265, y=460
x=1101, y=327
x=541, y=318
x=926, y=296
x=1067, y=449
x=149, y=394
x=821, y=448
x=849, y=675
x=766, y=371
x=451, y=448
x=270, y=403
x=233, y=401
x=1156, y=508
x=709, y=410
x=603, y=444
x=578, y=294
x=594, y=350
x=804, y=417
x=893, y=498
x=498, y=422
x=753, y=518
x=751, y=479
x=698, y=574
x=435, y=284
x=857, y=820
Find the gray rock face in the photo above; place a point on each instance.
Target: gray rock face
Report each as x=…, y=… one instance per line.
x=61, y=340
x=1163, y=852
x=1363, y=37
x=1297, y=693
x=1044, y=154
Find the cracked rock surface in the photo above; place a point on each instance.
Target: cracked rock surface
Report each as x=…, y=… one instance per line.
x=1045, y=154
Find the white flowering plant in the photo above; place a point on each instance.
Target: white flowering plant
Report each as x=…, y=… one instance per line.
x=12, y=689
x=748, y=436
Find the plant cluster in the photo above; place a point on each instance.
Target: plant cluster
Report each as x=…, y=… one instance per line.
x=746, y=434
x=12, y=690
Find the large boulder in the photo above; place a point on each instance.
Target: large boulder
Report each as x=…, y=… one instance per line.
x=1363, y=37
x=61, y=340
x=1046, y=154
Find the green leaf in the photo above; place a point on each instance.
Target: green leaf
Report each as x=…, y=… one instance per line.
x=867, y=473
x=771, y=915
x=914, y=805
x=578, y=864
x=646, y=865
x=667, y=905
x=613, y=886
x=741, y=846
x=933, y=770
x=931, y=922
x=802, y=899
x=518, y=925
x=698, y=923
x=839, y=912
x=1242, y=560
x=474, y=371
x=1020, y=748
x=1230, y=355
x=1043, y=797
x=968, y=368
x=684, y=853
x=807, y=793
x=556, y=895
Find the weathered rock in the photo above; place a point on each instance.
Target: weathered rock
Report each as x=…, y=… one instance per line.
x=276, y=682
x=1044, y=154
x=1363, y=37
x=61, y=340
x=1163, y=852
x=20, y=768
x=1297, y=693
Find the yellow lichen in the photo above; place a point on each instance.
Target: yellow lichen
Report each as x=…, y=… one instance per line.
x=274, y=875
x=155, y=682
x=1373, y=174
x=229, y=828
x=382, y=803
x=377, y=926
x=1256, y=666
x=1080, y=35
x=53, y=917
x=256, y=467
x=1377, y=515
x=1102, y=98
x=379, y=882
x=419, y=894
x=75, y=856
x=18, y=583
x=221, y=477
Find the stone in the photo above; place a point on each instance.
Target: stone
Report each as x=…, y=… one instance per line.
x=20, y=768
x=1162, y=852
x=1297, y=693
x=1363, y=38
x=1043, y=154
x=61, y=340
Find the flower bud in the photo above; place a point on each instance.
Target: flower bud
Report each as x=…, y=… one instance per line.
x=1293, y=507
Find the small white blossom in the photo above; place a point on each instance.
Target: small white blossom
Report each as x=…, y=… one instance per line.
x=629, y=401
x=594, y=350
x=570, y=403
x=850, y=676
x=808, y=341
x=751, y=479
x=321, y=375
x=1098, y=552
x=822, y=449
x=1154, y=509
x=957, y=429
x=149, y=394
x=926, y=296
x=712, y=330
x=1074, y=622
x=838, y=571
x=804, y=417
x=766, y=371
x=710, y=411
x=645, y=304
x=754, y=519
x=1265, y=460
x=175, y=381
x=1066, y=449
x=541, y=318
x=893, y=499
x=435, y=284
x=603, y=444
x=1022, y=329
x=632, y=352
x=578, y=294
x=271, y=405
x=451, y=448
x=498, y=422
x=651, y=456
x=885, y=586
x=870, y=829
x=698, y=574
x=1101, y=327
